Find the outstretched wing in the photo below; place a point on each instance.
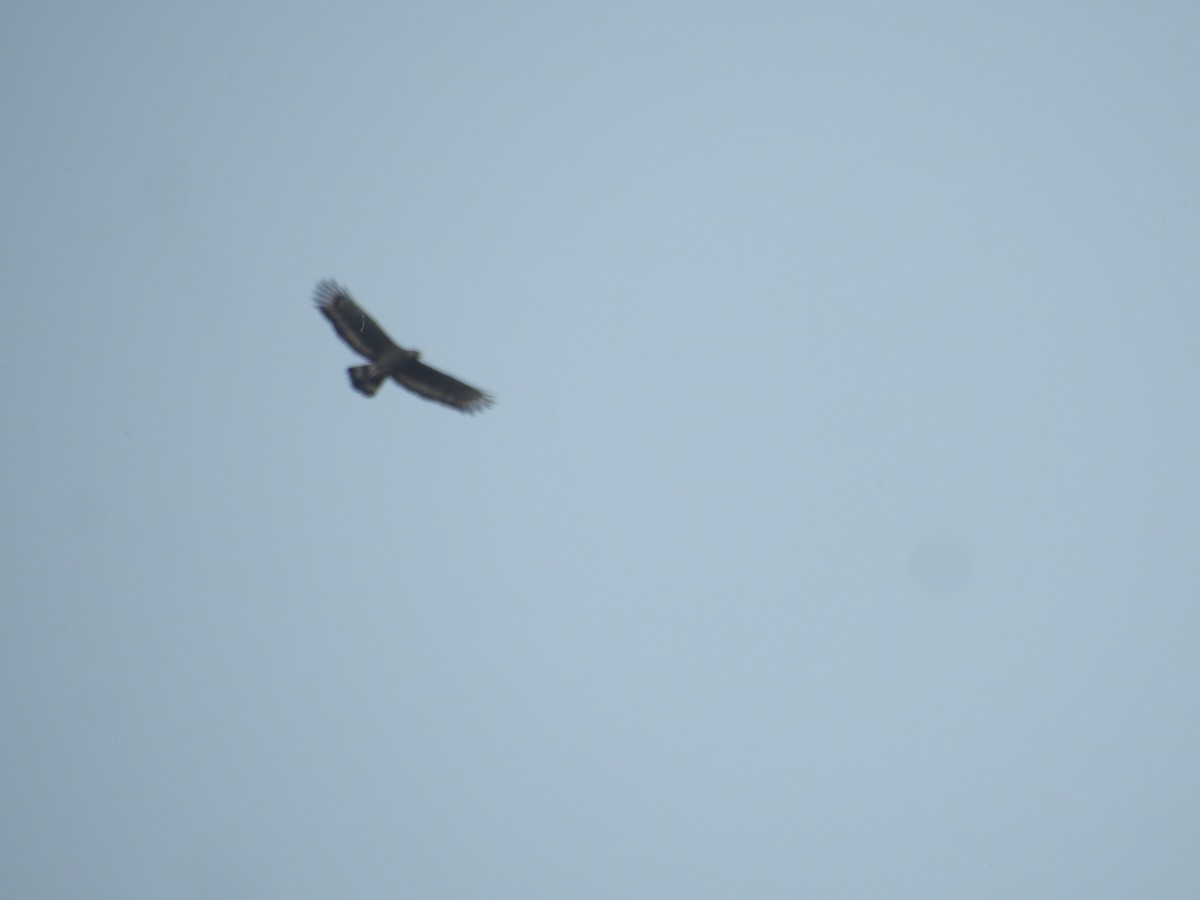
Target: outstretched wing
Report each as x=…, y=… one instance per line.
x=441, y=388
x=354, y=326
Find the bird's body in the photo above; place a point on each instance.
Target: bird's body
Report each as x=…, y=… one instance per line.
x=388, y=359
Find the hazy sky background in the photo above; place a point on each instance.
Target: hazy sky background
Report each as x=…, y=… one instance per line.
x=835, y=533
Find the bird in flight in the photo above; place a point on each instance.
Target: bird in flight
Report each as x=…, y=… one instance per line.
x=388, y=359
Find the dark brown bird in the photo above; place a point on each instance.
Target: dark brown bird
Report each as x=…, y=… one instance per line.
x=388, y=359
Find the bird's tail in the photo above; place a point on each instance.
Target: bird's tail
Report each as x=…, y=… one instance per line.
x=366, y=380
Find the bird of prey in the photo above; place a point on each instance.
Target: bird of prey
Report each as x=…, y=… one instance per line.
x=387, y=359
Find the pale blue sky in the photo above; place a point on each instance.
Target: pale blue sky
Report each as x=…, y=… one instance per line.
x=835, y=533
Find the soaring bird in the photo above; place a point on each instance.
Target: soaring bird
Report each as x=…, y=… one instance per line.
x=388, y=359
